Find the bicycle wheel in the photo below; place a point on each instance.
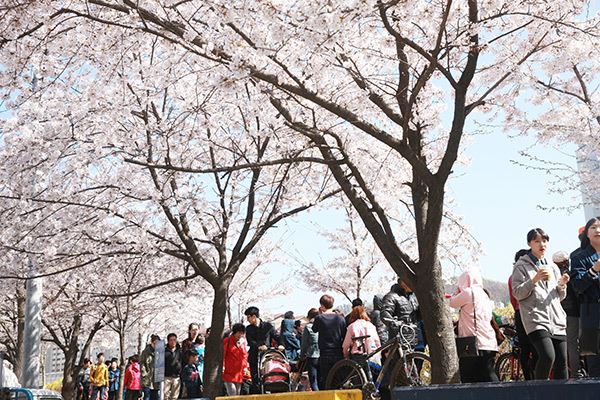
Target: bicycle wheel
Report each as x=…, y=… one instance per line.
x=418, y=368
x=415, y=371
x=508, y=368
x=346, y=374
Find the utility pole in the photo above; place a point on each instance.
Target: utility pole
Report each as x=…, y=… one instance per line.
x=33, y=330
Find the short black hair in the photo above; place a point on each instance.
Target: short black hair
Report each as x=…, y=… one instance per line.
x=252, y=311
x=238, y=328
x=135, y=358
x=533, y=234
x=154, y=338
x=170, y=335
x=190, y=353
x=192, y=324
x=114, y=359
x=86, y=360
x=99, y=355
x=357, y=302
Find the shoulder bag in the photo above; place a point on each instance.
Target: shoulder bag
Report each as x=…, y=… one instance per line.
x=467, y=346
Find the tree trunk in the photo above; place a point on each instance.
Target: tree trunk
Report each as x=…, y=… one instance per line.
x=121, y=364
x=70, y=374
x=71, y=366
x=139, y=343
x=439, y=331
x=229, y=318
x=213, y=358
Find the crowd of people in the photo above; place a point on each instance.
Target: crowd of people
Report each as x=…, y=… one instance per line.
x=557, y=319
x=557, y=311
x=319, y=343
x=183, y=368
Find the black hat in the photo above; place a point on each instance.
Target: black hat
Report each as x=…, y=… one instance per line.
x=357, y=302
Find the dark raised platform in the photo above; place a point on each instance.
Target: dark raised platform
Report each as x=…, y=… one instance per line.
x=583, y=389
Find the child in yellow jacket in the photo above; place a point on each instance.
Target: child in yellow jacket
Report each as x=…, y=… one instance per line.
x=99, y=378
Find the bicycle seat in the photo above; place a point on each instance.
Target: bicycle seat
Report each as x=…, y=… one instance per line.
x=361, y=337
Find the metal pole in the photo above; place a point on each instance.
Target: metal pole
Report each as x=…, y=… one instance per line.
x=33, y=331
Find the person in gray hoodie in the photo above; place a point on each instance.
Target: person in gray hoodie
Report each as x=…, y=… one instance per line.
x=310, y=350
x=539, y=287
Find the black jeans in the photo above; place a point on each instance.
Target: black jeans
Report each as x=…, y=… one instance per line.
x=85, y=391
x=312, y=365
x=552, y=355
x=132, y=394
x=253, y=361
x=527, y=356
x=325, y=365
x=478, y=369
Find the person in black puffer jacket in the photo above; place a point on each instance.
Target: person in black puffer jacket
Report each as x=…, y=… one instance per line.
x=400, y=304
x=376, y=319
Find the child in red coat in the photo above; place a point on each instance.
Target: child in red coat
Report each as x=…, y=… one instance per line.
x=235, y=360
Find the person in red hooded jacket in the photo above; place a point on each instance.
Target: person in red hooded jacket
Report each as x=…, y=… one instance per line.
x=235, y=360
x=132, y=381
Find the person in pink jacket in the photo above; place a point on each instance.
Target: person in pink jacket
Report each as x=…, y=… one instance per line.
x=132, y=381
x=474, y=320
x=360, y=325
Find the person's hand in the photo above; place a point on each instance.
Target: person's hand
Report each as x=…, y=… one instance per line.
x=564, y=279
x=542, y=275
x=246, y=374
x=597, y=266
x=262, y=347
x=280, y=348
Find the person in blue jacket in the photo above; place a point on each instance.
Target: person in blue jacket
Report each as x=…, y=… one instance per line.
x=288, y=338
x=113, y=379
x=585, y=272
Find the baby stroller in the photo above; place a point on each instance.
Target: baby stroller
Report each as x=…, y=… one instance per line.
x=274, y=372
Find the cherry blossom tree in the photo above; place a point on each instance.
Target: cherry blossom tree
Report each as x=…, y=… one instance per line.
x=131, y=313
x=374, y=88
x=253, y=284
x=147, y=163
x=357, y=268
x=70, y=317
x=561, y=91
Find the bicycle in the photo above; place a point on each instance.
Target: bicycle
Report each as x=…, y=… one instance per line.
x=402, y=366
x=508, y=365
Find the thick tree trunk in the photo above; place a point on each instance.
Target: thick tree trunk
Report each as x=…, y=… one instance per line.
x=213, y=359
x=70, y=374
x=438, y=324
